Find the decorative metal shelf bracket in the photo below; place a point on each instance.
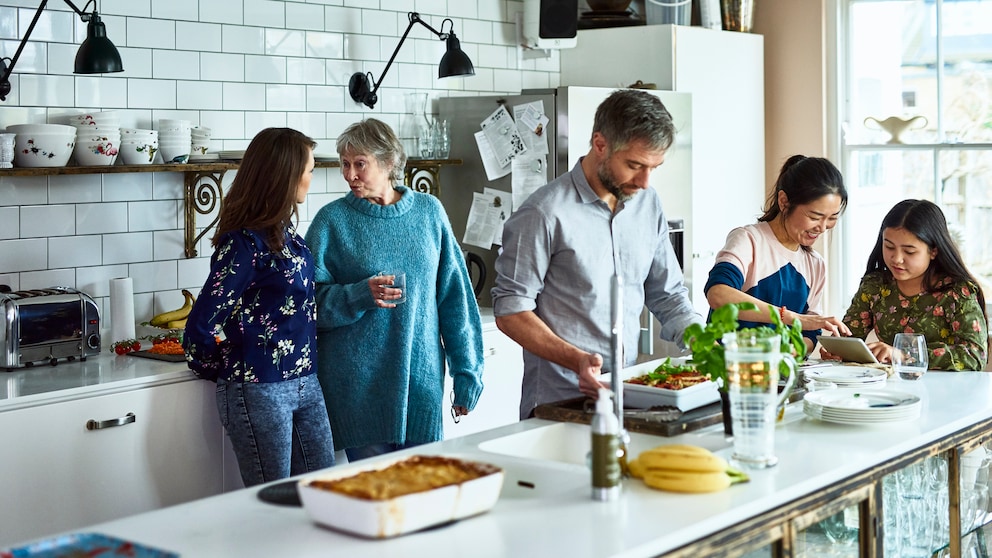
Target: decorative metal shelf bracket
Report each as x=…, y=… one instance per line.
x=203, y=190
x=203, y=193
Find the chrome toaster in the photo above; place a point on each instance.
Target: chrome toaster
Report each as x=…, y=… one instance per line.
x=46, y=325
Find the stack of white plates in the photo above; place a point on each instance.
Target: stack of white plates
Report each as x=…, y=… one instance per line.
x=236, y=155
x=861, y=406
x=847, y=376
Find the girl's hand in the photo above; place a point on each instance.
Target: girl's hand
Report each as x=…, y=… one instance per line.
x=827, y=355
x=882, y=351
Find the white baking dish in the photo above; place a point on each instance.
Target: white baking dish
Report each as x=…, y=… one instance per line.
x=641, y=397
x=404, y=514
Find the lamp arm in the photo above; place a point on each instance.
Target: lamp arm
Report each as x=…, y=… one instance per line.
x=9, y=69
x=414, y=18
x=82, y=13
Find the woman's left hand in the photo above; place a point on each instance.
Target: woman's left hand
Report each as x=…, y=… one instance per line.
x=383, y=292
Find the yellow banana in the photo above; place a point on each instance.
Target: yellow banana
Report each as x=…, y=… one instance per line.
x=163, y=319
x=680, y=459
x=636, y=468
x=686, y=481
x=178, y=324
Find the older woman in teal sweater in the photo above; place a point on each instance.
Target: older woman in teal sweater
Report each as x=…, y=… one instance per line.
x=381, y=363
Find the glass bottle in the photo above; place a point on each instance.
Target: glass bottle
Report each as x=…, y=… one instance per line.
x=411, y=123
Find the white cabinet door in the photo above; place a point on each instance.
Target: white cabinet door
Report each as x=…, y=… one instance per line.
x=499, y=403
x=158, y=446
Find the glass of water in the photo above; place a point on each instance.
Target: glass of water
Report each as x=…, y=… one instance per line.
x=909, y=355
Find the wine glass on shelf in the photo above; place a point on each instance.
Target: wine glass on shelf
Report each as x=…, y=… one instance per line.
x=909, y=355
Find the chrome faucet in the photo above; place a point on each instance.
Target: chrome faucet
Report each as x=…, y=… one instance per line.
x=616, y=357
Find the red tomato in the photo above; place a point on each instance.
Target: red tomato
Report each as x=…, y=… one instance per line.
x=120, y=350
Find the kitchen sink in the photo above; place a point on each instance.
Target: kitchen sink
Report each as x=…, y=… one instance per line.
x=569, y=443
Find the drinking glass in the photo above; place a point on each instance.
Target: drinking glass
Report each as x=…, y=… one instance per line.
x=753, y=360
x=909, y=355
x=442, y=138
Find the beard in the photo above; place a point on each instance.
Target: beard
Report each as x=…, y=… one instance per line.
x=609, y=181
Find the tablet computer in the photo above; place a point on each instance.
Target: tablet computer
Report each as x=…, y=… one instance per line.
x=849, y=349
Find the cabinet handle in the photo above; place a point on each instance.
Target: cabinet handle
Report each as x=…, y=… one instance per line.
x=94, y=424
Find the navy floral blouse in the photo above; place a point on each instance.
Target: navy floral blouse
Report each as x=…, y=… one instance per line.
x=255, y=319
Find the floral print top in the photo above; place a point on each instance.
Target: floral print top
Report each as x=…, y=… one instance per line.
x=949, y=317
x=255, y=319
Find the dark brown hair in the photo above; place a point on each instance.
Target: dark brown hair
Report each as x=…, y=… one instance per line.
x=263, y=193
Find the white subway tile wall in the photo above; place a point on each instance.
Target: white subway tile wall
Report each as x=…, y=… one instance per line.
x=235, y=66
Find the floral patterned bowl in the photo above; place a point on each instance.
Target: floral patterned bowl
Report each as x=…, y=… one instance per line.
x=138, y=152
x=43, y=149
x=95, y=153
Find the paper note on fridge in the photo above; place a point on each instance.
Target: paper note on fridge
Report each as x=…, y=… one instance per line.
x=483, y=219
x=489, y=162
x=529, y=174
x=531, y=123
x=503, y=136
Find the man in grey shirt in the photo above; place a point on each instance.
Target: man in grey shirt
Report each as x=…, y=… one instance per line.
x=562, y=247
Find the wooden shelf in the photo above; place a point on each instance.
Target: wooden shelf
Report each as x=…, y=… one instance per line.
x=203, y=183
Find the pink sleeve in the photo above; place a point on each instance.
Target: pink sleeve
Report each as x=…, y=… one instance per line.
x=738, y=251
x=818, y=280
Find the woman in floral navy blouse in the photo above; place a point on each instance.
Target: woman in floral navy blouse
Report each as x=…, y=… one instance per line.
x=253, y=328
x=917, y=282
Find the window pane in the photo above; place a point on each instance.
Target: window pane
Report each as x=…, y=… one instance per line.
x=878, y=180
x=967, y=44
x=966, y=199
x=889, y=75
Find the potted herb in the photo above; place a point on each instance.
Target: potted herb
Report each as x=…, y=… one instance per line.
x=708, y=353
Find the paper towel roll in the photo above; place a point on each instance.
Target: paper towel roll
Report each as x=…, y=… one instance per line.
x=121, y=309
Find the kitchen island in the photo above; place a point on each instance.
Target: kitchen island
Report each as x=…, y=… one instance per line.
x=545, y=508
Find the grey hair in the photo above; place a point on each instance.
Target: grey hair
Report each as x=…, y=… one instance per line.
x=375, y=138
x=629, y=115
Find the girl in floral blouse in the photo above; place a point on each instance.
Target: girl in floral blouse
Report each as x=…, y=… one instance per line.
x=253, y=328
x=916, y=282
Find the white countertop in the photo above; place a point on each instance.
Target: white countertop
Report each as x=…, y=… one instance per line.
x=558, y=518
x=101, y=374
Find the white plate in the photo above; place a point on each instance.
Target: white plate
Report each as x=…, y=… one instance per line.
x=847, y=374
x=861, y=406
x=863, y=399
x=231, y=154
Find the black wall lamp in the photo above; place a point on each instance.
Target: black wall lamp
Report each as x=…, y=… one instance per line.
x=454, y=63
x=97, y=55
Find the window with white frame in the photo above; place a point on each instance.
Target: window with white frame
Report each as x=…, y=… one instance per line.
x=917, y=122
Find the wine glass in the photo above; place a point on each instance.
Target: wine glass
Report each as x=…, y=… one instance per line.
x=909, y=355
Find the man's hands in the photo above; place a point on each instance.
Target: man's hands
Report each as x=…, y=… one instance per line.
x=589, y=369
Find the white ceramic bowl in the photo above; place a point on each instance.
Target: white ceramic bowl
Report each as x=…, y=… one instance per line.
x=174, y=153
x=138, y=132
x=199, y=149
x=43, y=150
x=94, y=153
x=41, y=129
x=138, y=153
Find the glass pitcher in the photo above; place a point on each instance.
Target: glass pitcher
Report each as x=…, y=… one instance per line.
x=753, y=360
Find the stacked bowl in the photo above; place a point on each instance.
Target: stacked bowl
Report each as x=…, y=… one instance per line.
x=42, y=145
x=138, y=146
x=98, y=138
x=174, y=140
x=201, y=143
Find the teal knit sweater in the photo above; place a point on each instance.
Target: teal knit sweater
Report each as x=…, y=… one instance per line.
x=382, y=369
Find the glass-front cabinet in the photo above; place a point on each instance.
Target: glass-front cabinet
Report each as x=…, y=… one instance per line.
x=932, y=502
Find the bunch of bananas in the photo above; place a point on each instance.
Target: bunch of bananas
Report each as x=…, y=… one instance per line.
x=175, y=319
x=684, y=468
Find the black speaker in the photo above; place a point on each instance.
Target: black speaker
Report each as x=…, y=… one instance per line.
x=551, y=23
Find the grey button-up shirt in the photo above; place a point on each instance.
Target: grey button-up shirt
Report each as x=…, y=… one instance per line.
x=560, y=251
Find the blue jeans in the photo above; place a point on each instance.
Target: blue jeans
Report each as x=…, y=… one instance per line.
x=372, y=450
x=277, y=429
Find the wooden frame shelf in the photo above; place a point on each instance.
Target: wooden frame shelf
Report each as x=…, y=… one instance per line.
x=203, y=183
